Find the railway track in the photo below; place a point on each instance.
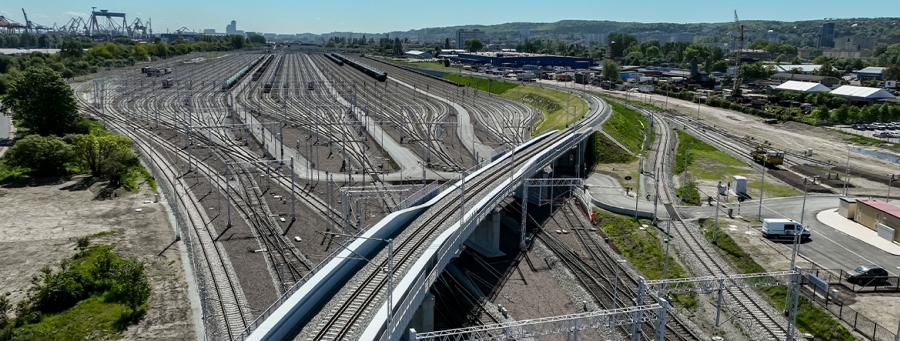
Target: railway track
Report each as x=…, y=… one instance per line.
x=762, y=320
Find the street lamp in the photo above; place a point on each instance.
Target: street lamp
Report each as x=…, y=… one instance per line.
x=719, y=190
x=894, y=177
x=847, y=176
x=389, y=270
x=762, y=186
x=805, y=187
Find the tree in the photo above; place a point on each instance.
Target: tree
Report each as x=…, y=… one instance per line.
x=71, y=49
x=827, y=70
x=237, y=42
x=473, y=45
x=822, y=115
x=105, y=154
x=447, y=43
x=719, y=66
x=891, y=72
x=44, y=155
x=42, y=100
x=695, y=50
x=132, y=286
x=622, y=42
x=610, y=70
x=256, y=39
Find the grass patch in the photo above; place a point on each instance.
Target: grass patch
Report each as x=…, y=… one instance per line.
x=626, y=126
x=690, y=196
x=92, y=319
x=773, y=190
x=551, y=103
x=133, y=174
x=643, y=248
x=10, y=173
x=487, y=85
x=810, y=318
x=717, y=164
x=88, y=298
x=439, y=66
x=605, y=150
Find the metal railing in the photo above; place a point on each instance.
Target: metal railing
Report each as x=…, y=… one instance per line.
x=836, y=306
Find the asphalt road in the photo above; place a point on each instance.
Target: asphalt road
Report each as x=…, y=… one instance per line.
x=829, y=248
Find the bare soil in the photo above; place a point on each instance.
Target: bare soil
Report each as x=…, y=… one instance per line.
x=42, y=218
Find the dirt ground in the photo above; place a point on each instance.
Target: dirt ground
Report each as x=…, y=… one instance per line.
x=41, y=220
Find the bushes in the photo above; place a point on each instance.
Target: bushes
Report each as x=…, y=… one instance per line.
x=44, y=155
x=87, y=296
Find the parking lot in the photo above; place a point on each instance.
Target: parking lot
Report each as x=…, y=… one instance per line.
x=888, y=132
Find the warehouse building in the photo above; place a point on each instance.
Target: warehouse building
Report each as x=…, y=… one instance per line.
x=870, y=72
x=418, y=55
x=804, y=87
x=873, y=212
x=830, y=82
x=522, y=59
x=862, y=94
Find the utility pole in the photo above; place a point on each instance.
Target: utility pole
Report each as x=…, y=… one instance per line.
x=762, y=186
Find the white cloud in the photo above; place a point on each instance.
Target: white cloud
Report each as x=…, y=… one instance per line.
x=4, y=13
x=318, y=18
x=76, y=14
x=39, y=15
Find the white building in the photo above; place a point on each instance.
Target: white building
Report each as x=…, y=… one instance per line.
x=805, y=87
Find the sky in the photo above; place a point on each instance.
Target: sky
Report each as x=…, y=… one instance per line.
x=305, y=16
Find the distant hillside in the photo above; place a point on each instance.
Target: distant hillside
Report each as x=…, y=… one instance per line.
x=797, y=33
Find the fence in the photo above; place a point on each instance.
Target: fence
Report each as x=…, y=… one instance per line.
x=837, y=276
x=861, y=324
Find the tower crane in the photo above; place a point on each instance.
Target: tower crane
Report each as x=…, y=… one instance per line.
x=738, y=34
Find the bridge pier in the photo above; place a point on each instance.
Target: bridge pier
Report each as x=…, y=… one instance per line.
x=486, y=238
x=423, y=319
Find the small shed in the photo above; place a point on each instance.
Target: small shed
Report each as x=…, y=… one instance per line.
x=847, y=209
x=739, y=185
x=870, y=72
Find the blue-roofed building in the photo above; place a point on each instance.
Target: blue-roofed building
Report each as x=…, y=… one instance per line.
x=521, y=59
x=870, y=72
x=418, y=55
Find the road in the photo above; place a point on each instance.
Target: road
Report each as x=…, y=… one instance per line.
x=829, y=248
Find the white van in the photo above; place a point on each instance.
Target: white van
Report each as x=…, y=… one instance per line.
x=782, y=228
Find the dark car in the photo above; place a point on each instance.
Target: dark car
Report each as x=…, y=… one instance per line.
x=866, y=274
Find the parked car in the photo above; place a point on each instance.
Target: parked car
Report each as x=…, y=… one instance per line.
x=866, y=274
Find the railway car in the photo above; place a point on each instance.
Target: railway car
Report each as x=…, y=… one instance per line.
x=334, y=59
x=379, y=75
x=767, y=156
x=231, y=81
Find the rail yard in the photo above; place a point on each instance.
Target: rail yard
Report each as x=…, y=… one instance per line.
x=321, y=194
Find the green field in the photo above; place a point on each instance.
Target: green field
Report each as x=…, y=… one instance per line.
x=810, y=318
x=626, y=126
x=487, y=85
x=606, y=151
x=643, y=248
x=552, y=105
x=439, y=66
x=699, y=152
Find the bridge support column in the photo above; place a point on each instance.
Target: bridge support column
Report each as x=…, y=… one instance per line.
x=423, y=320
x=486, y=237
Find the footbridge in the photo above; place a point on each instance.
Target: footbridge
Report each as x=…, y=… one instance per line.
x=373, y=285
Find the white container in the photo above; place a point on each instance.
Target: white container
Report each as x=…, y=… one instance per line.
x=739, y=184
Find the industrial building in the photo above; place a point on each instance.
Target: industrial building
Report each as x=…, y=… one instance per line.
x=418, y=55
x=805, y=69
x=873, y=212
x=522, y=59
x=232, y=28
x=870, y=72
x=826, y=35
x=830, y=82
x=862, y=95
x=463, y=35
x=804, y=87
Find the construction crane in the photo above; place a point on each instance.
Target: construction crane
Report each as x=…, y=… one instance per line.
x=739, y=35
x=10, y=25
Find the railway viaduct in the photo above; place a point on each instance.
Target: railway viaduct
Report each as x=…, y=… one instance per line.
x=561, y=151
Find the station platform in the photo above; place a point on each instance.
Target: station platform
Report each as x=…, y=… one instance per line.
x=833, y=219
